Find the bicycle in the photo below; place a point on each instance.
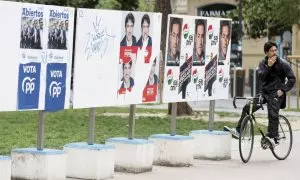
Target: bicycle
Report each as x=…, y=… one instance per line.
x=247, y=125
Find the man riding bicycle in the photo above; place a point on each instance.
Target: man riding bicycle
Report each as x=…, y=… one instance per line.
x=272, y=73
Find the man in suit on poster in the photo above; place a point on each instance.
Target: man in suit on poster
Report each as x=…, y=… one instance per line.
x=224, y=41
x=199, y=46
x=127, y=80
x=174, y=42
x=129, y=39
x=145, y=39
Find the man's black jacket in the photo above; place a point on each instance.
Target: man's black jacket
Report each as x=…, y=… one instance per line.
x=273, y=78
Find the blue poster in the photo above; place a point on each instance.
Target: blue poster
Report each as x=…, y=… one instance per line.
x=55, y=86
x=29, y=85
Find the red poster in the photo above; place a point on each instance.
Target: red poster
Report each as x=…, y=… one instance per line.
x=125, y=53
x=150, y=93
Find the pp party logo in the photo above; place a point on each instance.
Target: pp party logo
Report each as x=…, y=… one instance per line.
x=170, y=76
x=195, y=76
x=221, y=75
x=185, y=31
x=210, y=31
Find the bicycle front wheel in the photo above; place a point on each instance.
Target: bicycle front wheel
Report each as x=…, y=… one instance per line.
x=284, y=146
x=246, y=139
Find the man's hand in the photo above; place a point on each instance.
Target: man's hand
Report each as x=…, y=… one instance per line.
x=271, y=61
x=279, y=93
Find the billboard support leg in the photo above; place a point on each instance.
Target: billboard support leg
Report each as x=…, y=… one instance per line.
x=131, y=121
x=173, y=119
x=41, y=128
x=211, y=115
x=92, y=113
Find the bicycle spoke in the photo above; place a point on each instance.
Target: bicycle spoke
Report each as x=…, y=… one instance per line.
x=281, y=128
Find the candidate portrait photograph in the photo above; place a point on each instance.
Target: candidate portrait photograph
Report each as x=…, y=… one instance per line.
x=173, y=52
x=199, y=42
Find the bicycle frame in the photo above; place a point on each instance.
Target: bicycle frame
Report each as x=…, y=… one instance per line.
x=252, y=118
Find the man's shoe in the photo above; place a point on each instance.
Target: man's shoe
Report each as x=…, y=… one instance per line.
x=271, y=142
x=274, y=139
x=235, y=134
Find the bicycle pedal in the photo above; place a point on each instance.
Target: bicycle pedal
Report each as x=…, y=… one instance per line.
x=263, y=144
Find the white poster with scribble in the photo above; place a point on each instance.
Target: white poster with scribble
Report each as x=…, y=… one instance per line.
x=116, y=58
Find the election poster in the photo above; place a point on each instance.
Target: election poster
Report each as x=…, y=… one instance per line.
x=137, y=63
x=28, y=66
x=21, y=54
x=179, y=58
x=200, y=58
x=217, y=69
x=151, y=89
x=116, y=58
x=32, y=52
x=197, y=64
x=59, y=57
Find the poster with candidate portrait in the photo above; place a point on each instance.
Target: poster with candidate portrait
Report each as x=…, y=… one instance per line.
x=25, y=72
x=119, y=50
x=60, y=29
x=32, y=25
x=151, y=89
x=211, y=65
x=198, y=75
x=32, y=54
x=179, y=59
x=217, y=69
x=136, y=57
x=200, y=57
x=223, y=70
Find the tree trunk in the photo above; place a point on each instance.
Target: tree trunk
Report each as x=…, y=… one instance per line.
x=164, y=6
x=183, y=108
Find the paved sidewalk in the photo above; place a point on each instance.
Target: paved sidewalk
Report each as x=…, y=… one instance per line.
x=262, y=166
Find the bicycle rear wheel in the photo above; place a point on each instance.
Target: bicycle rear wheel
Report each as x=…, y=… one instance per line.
x=283, y=149
x=246, y=139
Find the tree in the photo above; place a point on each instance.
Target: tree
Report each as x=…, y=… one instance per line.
x=108, y=4
x=72, y=3
x=128, y=5
x=164, y=6
x=266, y=18
x=146, y=5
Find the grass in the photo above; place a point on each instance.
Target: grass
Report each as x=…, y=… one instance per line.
x=19, y=129
x=227, y=114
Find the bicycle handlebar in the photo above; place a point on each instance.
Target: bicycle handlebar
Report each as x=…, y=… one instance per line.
x=249, y=98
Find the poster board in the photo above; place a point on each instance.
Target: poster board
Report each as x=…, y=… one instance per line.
x=197, y=59
x=36, y=76
x=116, y=58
